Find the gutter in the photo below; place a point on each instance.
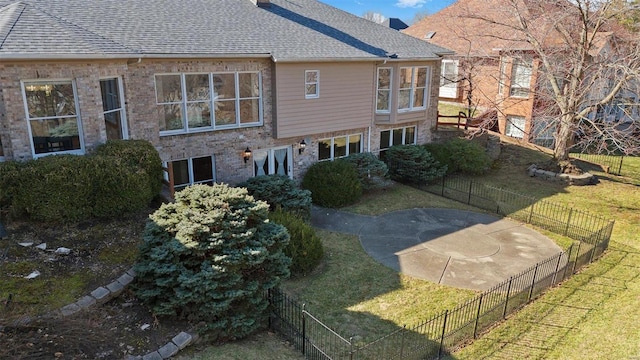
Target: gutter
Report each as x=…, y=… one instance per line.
x=125, y=56
x=387, y=59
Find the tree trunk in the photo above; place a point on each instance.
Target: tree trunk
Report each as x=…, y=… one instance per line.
x=563, y=138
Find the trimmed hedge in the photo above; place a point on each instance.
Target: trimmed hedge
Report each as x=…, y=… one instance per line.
x=332, y=183
x=372, y=172
x=279, y=191
x=305, y=247
x=461, y=156
x=71, y=188
x=413, y=164
x=138, y=154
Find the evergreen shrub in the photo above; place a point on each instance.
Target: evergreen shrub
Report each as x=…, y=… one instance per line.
x=372, y=172
x=305, y=247
x=332, y=183
x=209, y=256
x=461, y=156
x=413, y=164
x=139, y=154
x=280, y=192
x=71, y=188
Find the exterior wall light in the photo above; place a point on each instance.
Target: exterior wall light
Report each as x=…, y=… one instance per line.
x=303, y=144
x=247, y=154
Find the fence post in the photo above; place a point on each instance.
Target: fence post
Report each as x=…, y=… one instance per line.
x=531, y=213
x=470, y=188
x=566, y=230
x=444, y=330
x=475, y=328
x=555, y=273
x=620, y=166
x=270, y=307
x=533, y=282
x=304, y=332
x=442, y=192
x=573, y=271
x=404, y=327
x=569, y=251
x=351, y=352
x=593, y=252
x=506, y=301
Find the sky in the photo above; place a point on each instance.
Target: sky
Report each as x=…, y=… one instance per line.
x=403, y=9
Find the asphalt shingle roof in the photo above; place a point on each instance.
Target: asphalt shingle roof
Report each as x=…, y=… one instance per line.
x=287, y=30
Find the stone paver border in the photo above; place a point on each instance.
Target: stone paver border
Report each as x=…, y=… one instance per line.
x=103, y=294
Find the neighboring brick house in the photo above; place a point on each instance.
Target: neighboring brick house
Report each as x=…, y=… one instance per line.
x=484, y=53
x=294, y=81
x=501, y=66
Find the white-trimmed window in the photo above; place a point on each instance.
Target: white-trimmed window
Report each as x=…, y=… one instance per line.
x=113, y=109
x=398, y=136
x=199, y=170
x=520, y=78
x=52, y=114
x=515, y=126
x=383, y=99
x=339, y=146
x=312, y=84
x=208, y=101
x=412, y=94
x=449, y=79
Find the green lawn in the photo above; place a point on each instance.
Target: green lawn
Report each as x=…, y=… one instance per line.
x=593, y=315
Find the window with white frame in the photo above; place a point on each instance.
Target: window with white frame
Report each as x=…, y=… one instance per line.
x=113, y=109
x=199, y=170
x=412, y=94
x=398, y=136
x=383, y=100
x=208, y=101
x=52, y=115
x=520, y=78
x=311, y=84
x=449, y=79
x=339, y=146
x=515, y=126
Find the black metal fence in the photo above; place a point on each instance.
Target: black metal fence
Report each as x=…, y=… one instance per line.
x=611, y=164
x=438, y=336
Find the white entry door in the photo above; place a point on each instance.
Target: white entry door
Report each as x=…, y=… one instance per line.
x=273, y=161
x=448, y=79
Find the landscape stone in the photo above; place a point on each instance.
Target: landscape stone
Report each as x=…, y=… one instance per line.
x=86, y=301
x=115, y=287
x=42, y=246
x=182, y=340
x=101, y=294
x=125, y=279
x=70, y=309
x=152, y=356
x=131, y=272
x=168, y=350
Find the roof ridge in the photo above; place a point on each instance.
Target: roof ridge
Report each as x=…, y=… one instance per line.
x=74, y=27
x=7, y=24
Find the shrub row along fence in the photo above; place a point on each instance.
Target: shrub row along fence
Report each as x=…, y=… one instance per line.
x=438, y=336
x=612, y=164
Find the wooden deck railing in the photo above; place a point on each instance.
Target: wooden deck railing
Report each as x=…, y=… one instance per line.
x=461, y=120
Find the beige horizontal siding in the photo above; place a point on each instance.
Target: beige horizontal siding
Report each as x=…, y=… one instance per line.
x=346, y=98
